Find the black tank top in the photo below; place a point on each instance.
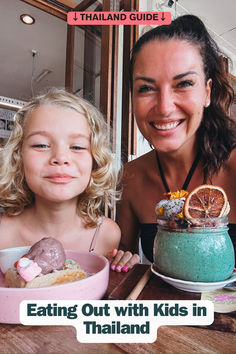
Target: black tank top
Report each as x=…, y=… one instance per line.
x=148, y=233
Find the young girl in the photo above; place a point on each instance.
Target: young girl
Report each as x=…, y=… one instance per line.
x=56, y=176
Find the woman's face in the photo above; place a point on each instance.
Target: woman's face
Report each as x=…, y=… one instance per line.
x=169, y=93
x=56, y=153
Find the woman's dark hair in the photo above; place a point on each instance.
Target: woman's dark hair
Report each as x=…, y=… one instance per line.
x=217, y=132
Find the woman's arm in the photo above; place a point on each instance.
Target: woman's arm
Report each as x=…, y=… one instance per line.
x=127, y=256
x=128, y=224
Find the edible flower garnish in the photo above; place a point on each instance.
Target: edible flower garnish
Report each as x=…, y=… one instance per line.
x=176, y=195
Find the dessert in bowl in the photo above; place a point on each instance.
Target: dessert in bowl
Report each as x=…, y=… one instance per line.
x=192, y=241
x=44, y=264
x=91, y=287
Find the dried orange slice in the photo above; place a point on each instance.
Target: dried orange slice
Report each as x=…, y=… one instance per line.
x=206, y=201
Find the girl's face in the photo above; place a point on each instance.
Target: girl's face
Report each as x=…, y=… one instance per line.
x=56, y=153
x=169, y=93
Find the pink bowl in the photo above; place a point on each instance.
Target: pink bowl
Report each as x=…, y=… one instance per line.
x=91, y=288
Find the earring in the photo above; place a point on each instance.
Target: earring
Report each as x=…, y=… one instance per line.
x=207, y=104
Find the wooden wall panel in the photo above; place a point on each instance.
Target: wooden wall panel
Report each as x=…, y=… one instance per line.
x=128, y=140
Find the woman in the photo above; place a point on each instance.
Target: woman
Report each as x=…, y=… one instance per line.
x=181, y=100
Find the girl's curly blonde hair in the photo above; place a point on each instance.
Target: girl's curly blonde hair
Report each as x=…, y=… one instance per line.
x=15, y=194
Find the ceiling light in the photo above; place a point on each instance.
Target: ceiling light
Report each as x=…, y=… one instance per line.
x=27, y=19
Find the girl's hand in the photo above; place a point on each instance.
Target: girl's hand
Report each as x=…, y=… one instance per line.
x=122, y=261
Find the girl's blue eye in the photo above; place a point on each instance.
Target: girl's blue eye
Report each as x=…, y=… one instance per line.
x=40, y=146
x=76, y=147
x=145, y=88
x=185, y=83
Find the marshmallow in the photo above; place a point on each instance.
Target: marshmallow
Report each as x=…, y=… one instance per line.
x=28, y=269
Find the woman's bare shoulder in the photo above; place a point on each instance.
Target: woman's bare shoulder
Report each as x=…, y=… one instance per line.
x=232, y=161
x=140, y=162
x=136, y=168
x=228, y=173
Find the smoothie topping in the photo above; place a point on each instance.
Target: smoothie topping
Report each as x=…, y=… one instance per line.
x=206, y=201
x=172, y=205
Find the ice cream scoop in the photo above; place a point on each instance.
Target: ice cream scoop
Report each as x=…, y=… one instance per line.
x=49, y=254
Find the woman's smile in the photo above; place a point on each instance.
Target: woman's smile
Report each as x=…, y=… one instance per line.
x=166, y=126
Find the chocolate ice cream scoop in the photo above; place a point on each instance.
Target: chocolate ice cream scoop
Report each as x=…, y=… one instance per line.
x=49, y=254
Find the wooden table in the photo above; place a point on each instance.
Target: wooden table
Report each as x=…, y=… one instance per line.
x=171, y=339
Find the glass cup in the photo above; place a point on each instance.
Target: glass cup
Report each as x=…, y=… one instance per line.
x=198, y=251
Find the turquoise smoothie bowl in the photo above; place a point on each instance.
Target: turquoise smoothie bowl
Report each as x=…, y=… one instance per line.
x=201, y=252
